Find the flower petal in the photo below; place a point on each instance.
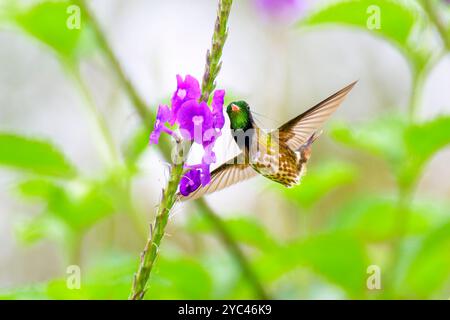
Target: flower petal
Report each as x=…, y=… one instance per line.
x=194, y=119
x=190, y=182
x=188, y=89
x=163, y=115
x=217, y=109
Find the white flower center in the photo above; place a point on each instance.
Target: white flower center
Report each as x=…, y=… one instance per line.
x=181, y=93
x=197, y=120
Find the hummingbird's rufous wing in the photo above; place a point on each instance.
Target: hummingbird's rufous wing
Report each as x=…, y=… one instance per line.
x=297, y=131
x=224, y=176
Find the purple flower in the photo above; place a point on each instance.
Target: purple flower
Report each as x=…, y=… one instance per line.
x=217, y=109
x=197, y=122
x=281, y=10
x=164, y=114
x=189, y=89
x=209, y=156
x=195, y=118
x=206, y=174
x=196, y=175
x=190, y=182
x=210, y=136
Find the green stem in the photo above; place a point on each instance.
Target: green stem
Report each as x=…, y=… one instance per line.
x=435, y=18
x=74, y=248
x=138, y=103
x=416, y=94
x=97, y=117
x=150, y=253
x=406, y=192
x=213, y=63
x=157, y=230
x=420, y=75
x=233, y=248
x=401, y=225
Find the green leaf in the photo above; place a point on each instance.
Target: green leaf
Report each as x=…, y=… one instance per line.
x=48, y=22
x=405, y=148
x=399, y=22
x=337, y=257
x=396, y=17
x=340, y=258
x=35, y=156
x=138, y=143
x=110, y=278
x=42, y=227
x=107, y=279
x=422, y=142
x=429, y=270
x=179, y=278
x=318, y=182
x=373, y=218
x=382, y=138
x=34, y=292
x=79, y=205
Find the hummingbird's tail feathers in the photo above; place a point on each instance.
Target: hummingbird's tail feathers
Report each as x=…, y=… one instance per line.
x=313, y=138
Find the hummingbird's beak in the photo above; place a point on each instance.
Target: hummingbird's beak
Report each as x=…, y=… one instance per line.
x=235, y=108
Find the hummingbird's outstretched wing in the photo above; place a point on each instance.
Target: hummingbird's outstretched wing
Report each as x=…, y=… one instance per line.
x=224, y=176
x=297, y=131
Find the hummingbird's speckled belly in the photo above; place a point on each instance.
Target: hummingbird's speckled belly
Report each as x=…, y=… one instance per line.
x=284, y=167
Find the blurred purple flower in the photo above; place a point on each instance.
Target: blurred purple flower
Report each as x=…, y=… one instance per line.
x=189, y=89
x=281, y=10
x=197, y=122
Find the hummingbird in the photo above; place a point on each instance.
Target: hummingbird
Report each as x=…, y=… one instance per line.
x=279, y=155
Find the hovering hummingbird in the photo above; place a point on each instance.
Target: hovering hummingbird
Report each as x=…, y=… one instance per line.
x=279, y=155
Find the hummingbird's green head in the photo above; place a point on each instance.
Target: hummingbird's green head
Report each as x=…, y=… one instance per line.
x=240, y=115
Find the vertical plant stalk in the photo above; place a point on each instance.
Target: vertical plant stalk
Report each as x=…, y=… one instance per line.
x=213, y=63
x=138, y=103
x=145, y=113
x=420, y=75
x=435, y=18
x=157, y=230
x=150, y=253
x=212, y=69
x=102, y=127
x=245, y=266
x=406, y=192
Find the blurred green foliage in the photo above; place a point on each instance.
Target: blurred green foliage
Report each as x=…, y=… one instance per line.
x=35, y=156
x=391, y=226
x=405, y=147
x=319, y=182
x=400, y=23
x=47, y=22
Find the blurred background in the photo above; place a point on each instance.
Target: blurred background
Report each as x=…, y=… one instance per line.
x=79, y=184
